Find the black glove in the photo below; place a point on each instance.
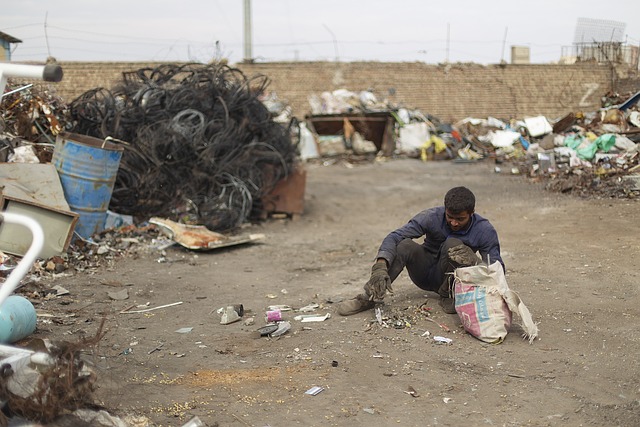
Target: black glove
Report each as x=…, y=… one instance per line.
x=463, y=255
x=379, y=282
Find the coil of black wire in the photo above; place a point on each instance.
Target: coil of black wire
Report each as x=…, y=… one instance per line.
x=202, y=146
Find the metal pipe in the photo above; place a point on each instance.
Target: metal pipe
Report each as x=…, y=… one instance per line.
x=48, y=73
x=29, y=258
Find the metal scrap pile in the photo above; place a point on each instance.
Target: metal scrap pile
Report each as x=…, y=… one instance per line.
x=200, y=145
x=32, y=115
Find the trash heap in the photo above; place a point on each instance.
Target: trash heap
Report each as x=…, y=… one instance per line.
x=200, y=146
x=355, y=131
x=592, y=154
x=346, y=101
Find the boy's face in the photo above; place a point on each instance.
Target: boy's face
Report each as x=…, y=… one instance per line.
x=457, y=221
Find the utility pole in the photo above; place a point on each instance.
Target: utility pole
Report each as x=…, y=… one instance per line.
x=448, y=41
x=504, y=43
x=335, y=42
x=248, y=57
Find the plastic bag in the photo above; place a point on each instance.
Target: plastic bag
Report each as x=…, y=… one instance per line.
x=485, y=303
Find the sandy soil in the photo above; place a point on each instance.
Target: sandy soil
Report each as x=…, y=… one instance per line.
x=573, y=261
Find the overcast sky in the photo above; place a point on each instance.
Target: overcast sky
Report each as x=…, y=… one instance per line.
x=309, y=30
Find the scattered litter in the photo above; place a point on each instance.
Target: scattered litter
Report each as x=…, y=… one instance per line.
x=283, y=327
x=447, y=399
x=426, y=334
x=60, y=290
x=442, y=340
x=151, y=309
x=314, y=390
x=334, y=363
x=231, y=314
x=279, y=307
x=102, y=249
x=304, y=318
x=401, y=324
x=119, y=295
x=442, y=325
x=368, y=410
x=157, y=348
x=199, y=237
x=271, y=296
x=184, y=330
x=161, y=244
x=379, y=315
x=268, y=329
x=412, y=392
x=116, y=220
x=194, y=422
x=309, y=308
x=274, y=316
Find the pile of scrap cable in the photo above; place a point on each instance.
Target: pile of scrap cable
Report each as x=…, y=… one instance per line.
x=200, y=145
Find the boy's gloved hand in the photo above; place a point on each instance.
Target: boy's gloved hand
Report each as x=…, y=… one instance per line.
x=379, y=282
x=463, y=255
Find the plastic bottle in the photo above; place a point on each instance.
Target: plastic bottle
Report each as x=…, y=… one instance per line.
x=17, y=319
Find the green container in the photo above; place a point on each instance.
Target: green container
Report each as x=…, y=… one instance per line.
x=17, y=319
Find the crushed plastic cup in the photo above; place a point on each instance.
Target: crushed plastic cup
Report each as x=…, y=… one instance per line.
x=274, y=316
x=231, y=314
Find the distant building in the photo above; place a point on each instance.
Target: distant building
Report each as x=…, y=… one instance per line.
x=5, y=43
x=602, y=41
x=520, y=55
x=601, y=52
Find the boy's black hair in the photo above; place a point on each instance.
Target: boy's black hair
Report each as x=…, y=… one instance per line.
x=460, y=199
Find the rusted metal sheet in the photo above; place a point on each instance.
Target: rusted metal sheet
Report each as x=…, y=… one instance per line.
x=565, y=123
x=287, y=196
x=199, y=237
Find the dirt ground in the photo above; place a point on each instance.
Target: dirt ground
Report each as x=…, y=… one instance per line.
x=574, y=262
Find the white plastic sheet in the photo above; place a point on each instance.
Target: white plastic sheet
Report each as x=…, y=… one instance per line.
x=308, y=147
x=501, y=138
x=412, y=137
x=538, y=126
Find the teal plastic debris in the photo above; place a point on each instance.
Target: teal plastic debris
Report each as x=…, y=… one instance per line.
x=603, y=143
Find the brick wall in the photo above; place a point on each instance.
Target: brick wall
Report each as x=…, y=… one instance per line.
x=449, y=92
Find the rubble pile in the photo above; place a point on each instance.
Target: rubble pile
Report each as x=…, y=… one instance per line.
x=53, y=387
x=200, y=142
x=592, y=154
x=32, y=116
x=346, y=101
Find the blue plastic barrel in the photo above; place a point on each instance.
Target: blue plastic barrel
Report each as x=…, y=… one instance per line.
x=17, y=319
x=87, y=167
